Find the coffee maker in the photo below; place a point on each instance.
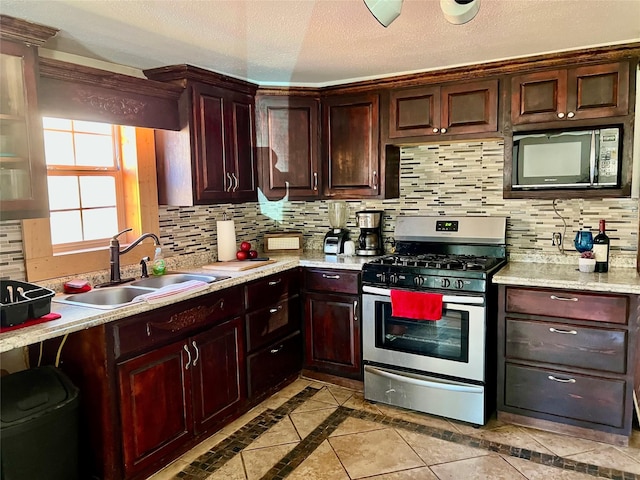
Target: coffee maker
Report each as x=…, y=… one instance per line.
x=336, y=237
x=370, y=239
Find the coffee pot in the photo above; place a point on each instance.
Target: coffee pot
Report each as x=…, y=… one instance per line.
x=370, y=239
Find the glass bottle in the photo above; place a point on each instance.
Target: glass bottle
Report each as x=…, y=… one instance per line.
x=601, y=249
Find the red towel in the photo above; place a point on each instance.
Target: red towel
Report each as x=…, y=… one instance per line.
x=416, y=305
x=32, y=321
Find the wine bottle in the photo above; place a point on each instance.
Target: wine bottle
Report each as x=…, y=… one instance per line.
x=601, y=249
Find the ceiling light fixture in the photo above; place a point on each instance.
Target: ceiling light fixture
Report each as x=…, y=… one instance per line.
x=385, y=11
x=459, y=11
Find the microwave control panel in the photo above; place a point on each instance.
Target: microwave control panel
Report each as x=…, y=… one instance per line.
x=608, y=156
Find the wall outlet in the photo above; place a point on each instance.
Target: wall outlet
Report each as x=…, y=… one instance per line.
x=556, y=239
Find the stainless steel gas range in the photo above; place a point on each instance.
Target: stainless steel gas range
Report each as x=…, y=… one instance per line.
x=444, y=366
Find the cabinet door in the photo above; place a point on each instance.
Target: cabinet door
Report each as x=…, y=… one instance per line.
x=288, y=146
x=212, y=174
x=598, y=91
x=240, y=142
x=23, y=173
x=593, y=91
x=332, y=334
x=218, y=373
x=155, y=405
x=414, y=112
x=223, y=138
x=351, y=130
x=469, y=108
x=538, y=97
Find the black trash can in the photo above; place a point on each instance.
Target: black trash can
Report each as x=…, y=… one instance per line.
x=38, y=425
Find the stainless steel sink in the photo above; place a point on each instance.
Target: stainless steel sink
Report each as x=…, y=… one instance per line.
x=122, y=295
x=173, y=278
x=104, y=298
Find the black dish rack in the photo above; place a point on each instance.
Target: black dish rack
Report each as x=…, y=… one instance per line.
x=20, y=301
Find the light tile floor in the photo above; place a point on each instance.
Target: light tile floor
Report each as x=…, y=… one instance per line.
x=318, y=431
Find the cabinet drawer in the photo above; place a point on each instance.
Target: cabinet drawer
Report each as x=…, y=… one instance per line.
x=170, y=323
x=592, y=348
x=577, y=397
x=343, y=281
x=568, y=304
x=269, y=366
x=269, y=323
x=271, y=289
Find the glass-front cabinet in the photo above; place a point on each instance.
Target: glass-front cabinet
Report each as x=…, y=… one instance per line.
x=23, y=175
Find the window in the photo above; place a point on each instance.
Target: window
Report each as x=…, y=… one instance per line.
x=85, y=182
x=102, y=179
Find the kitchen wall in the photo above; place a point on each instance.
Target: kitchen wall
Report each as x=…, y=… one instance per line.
x=462, y=178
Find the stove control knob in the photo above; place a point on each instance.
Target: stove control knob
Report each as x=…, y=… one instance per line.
x=459, y=284
x=393, y=278
x=418, y=281
x=445, y=282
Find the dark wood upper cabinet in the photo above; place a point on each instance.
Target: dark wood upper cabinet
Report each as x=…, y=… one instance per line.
x=586, y=92
x=463, y=108
x=288, y=144
x=23, y=172
x=212, y=158
x=351, y=137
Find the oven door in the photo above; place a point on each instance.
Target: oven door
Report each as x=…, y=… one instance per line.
x=452, y=346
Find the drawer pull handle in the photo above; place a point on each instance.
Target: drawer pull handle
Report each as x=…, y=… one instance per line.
x=331, y=277
x=186, y=367
x=555, y=330
x=276, y=350
x=274, y=282
x=564, y=299
x=562, y=380
x=274, y=310
x=195, y=347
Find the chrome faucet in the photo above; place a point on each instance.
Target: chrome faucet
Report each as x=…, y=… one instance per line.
x=115, y=252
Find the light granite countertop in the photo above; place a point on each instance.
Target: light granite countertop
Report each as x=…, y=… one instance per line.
x=553, y=275
x=75, y=318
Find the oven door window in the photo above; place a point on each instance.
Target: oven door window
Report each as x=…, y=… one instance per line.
x=447, y=338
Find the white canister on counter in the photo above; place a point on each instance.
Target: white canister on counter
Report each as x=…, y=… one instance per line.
x=349, y=247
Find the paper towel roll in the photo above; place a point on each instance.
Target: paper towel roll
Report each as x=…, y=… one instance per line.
x=226, y=240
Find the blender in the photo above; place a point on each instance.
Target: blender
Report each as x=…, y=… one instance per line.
x=335, y=238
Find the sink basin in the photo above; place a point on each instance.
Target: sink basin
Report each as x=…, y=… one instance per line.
x=173, y=278
x=122, y=295
x=104, y=298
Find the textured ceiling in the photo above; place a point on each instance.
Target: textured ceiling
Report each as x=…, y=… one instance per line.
x=321, y=42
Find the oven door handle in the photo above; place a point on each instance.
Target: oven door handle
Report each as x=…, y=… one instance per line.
x=408, y=378
x=459, y=299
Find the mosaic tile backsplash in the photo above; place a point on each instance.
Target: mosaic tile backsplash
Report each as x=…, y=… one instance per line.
x=462, y=178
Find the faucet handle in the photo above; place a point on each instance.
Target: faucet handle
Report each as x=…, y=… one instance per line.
x=120, y=233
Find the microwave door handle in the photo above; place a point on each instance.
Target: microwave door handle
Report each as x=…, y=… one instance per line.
x=592, y=159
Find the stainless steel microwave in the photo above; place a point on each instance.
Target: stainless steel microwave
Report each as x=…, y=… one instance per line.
x=567, y=159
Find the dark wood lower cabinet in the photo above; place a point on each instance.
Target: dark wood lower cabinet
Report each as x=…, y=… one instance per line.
x=271, y=365
x=332, y=323
x=568, y=361
x=218, y=374
x=170, y=395
x=151, y=383
x=154, y=385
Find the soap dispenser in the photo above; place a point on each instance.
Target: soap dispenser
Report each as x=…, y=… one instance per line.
x=159, y=267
